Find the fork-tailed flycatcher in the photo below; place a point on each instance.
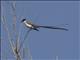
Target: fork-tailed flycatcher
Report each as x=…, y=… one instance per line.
x=35, y=27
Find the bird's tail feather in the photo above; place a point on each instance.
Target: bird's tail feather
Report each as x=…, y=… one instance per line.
x=53, y=27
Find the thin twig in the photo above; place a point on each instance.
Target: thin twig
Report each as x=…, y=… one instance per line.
x=14, y=15
x=9, y=35
x=21, y=45
x=15, y=30
x=6, y=29
x=29, y=54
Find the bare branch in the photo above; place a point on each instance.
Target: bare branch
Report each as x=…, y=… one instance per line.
x=9, y=35
x=29, y=54
x=14, y=15
x=17, y=54
x=15, y=31
x=21, y=45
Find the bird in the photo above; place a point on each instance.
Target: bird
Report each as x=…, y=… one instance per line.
x=30, y=25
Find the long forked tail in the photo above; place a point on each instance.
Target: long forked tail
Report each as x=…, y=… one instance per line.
x=54, y=27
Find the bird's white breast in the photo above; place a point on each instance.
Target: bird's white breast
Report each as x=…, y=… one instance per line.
x=28, y=25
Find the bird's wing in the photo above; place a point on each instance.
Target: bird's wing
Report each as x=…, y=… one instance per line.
x=53, y=27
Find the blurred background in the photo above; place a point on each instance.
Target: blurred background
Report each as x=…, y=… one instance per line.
x=46, y=44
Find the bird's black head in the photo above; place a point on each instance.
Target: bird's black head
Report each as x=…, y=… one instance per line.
x=23, y=20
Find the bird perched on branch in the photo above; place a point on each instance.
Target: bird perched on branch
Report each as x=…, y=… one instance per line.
x=30, y=25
